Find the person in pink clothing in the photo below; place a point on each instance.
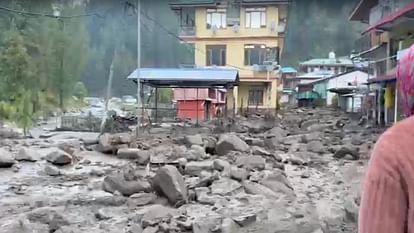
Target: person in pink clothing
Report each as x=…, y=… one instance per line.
x=387, y=204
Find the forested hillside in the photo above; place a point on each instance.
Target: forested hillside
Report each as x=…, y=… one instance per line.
x=43, y=58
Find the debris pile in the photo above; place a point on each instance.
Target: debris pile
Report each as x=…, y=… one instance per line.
x=300, y=172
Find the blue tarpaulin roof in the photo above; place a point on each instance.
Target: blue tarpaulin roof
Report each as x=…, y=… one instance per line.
x=187, y=77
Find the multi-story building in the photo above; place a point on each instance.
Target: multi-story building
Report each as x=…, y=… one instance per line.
x=331, y=63
x=246, y=35
x=390, y=30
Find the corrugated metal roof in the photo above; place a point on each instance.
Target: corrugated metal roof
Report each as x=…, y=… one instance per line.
x=288, y=70
x=252, y=2
x=187, y=77
x=327, y=61
x=181, y=3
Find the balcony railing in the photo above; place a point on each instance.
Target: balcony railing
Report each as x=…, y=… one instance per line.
x=363, y=43
x=187, y=31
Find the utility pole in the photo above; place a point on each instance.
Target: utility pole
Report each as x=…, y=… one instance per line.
x=138, y=67
x=62, y=55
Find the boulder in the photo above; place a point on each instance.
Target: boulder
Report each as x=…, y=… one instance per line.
x=141, y=156
x=155, y=214
x=27, y=154
x=210, y=145
x=251, y=162
x=6, y=159
x=230, y=142
x=306, y=138
x=221, y=165
x=194, y=168
x=256, y=150
x=141, y=199
x=105, y=144
x=308, y=123
x=229, y=226
x=118, y=183
x=278, y=182
x=203, y=196
x=259, y=126
x=276, y=132
x=59, y=157
x=169, y=182
x=315, y=147
x=238, y=174
x=52, y=171
x=258, y=189
x=254, y=141
x=351, y=210
x=272, y=143
x=344, y=151
x=196, y=139
x=225, y=186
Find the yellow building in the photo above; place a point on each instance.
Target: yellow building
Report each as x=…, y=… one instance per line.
x=244, y=34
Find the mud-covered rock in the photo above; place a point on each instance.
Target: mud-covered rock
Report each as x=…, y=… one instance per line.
x=230, y=142
x=59, y=157
x=27, y=154
x=118, y=183
x=169, y=182
x=141, y=156
x=6, y=158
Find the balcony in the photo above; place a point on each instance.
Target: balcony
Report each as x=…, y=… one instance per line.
x=363, y=43
x=187, y=31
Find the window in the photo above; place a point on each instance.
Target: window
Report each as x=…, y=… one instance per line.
x=255, y=17
x=258, y=54
x=255, y=97
x=216, y=55
x=216, y=17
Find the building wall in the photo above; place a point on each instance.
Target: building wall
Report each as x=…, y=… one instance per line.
x=235, y=43
x=234, y=55
x=272, y=15
x=190, y=94
x=343, y=80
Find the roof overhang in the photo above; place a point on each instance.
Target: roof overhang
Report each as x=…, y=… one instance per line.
x=383, y=78
x=264, y=2
x=200, y=3
x=361, y=10
x=402, y=19
x=187, y=78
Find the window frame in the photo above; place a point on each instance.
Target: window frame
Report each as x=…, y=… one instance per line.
x=223, y=17
x=248, y=17
x=255, y=96
x=209, y=55
x=248, y=51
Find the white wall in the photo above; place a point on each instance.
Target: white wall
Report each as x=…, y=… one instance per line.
x=343, y=80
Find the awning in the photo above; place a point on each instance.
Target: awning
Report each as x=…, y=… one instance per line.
x=407, y=11
x=383, y=78
x=187, y=77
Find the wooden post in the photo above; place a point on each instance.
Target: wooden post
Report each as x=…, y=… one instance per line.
x=156, y=104
x=197, y=106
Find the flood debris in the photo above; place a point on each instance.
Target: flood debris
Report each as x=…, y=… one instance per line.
x=296, y=173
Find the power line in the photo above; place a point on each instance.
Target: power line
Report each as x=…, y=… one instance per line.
x=27, y=13
x=181, y=40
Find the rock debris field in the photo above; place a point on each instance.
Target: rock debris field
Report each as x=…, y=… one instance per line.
x=300, y=172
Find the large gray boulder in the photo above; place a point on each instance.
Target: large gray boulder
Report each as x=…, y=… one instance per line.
x=278, y=182
x=315, y=147
x=195, y=168
x=196, y=139
x=27, y=154
x=105, y=144
x=59, y=157
x=251, y=162
x=345, y=151
x=238, y=174
x=6, y=158
x=118, y=183
x=141, y=156
x=169, y=182
x=225, y=186
x=230, y=142
x=258, y=189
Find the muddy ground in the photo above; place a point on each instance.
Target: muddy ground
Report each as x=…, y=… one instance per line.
x=298, y=172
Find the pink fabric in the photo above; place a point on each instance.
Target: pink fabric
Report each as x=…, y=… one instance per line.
x=388, y=192
x=405, y=77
